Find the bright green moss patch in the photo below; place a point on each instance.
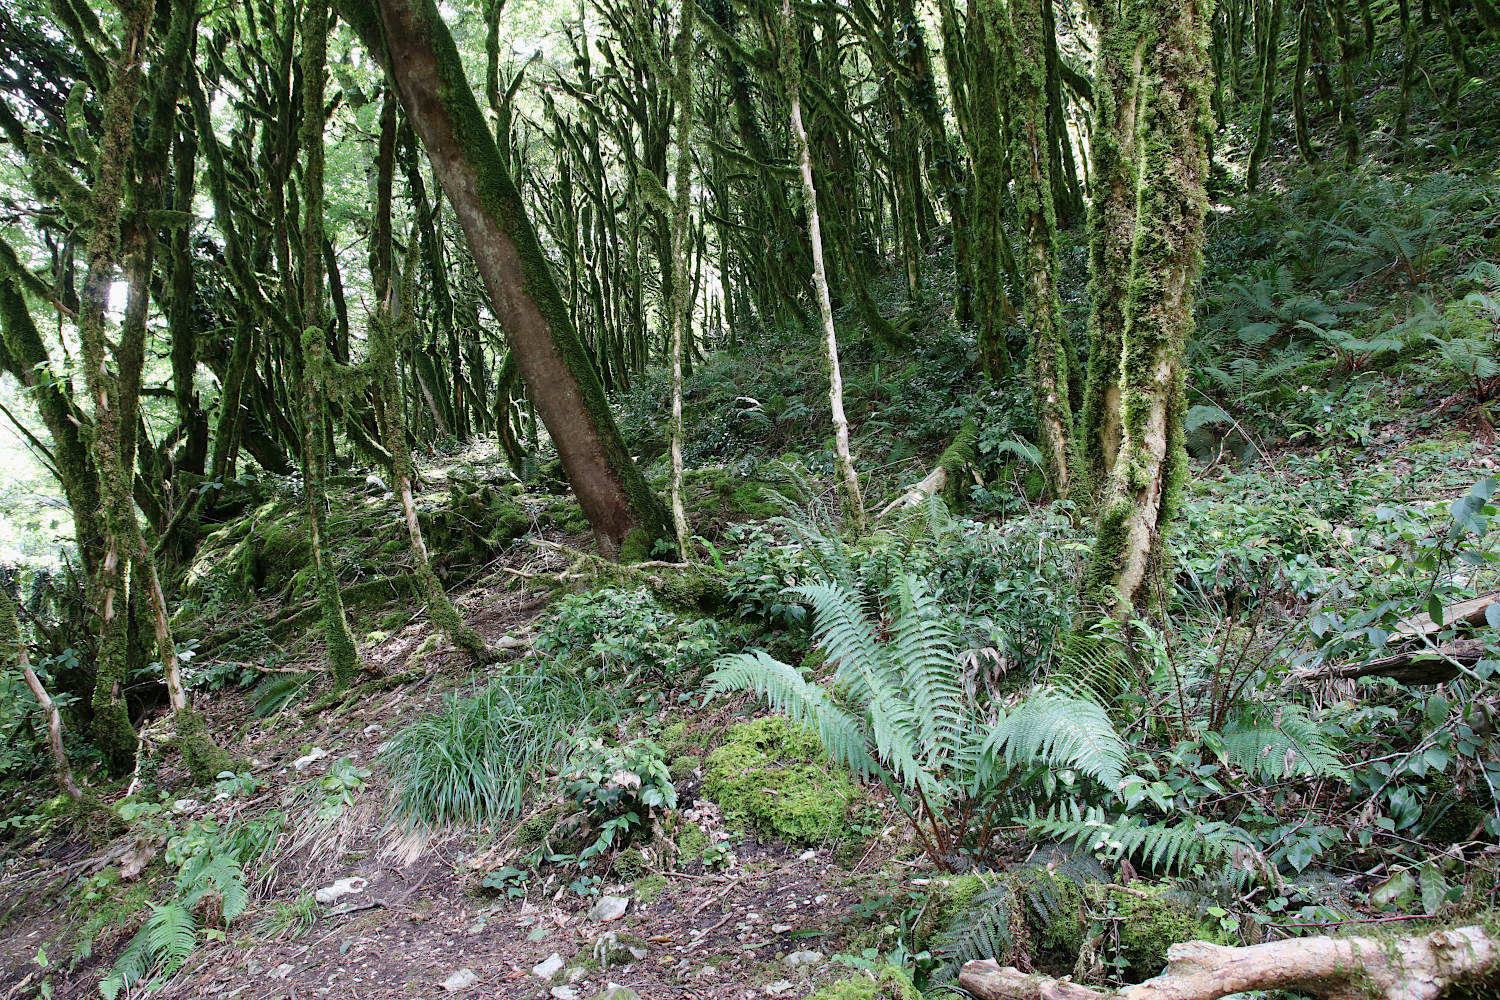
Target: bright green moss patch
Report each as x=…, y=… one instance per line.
x=774, y=776
x=892, y=983
x=1151, y=924
x=692, y=843
x=648, y=888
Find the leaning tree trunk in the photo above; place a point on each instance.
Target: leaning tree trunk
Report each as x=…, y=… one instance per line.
x=1166, y=260
x=1420, y=967
x=13, y=644
x=409, y=36
x=125, y=547
x=849, y=492
x=389, y=411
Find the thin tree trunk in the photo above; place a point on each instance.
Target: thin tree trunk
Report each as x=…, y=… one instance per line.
x=682, y=309
x=13, y=643
x=849, y=491
x=1267, y=96
x=1299, y=83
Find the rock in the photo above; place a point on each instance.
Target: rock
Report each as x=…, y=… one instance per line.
x=564, y=993
x=807, y=855
x=461, y=980
x=254, y=968
x=282, y=971
x=609, y=908
x=318, y=753
x=614, y=991
x=780, y=928
x=614, y=948
x=338, y=890
x=473, y=929
x=184, y=805
x=548, y=967
x=801, y=958
x=779, y=987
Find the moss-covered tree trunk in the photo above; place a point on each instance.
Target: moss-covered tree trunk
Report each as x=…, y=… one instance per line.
x=1270, y=46
x=682, y=308
x=1299, y=82
x=410, y=38
x=848, y=478
x=1166, y=261
x=993, y=260
x=1019, y=42
x=125, y=548
x=343, y=653
x=1111, y=230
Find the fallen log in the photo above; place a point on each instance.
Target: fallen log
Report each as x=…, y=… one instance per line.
x=957, y=457
x=1423, y=665
x=1470, y=612
x=1418, y=967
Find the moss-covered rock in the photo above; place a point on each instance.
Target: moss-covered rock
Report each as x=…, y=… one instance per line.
x=946, y=899
x=1152, y=923
x=774, y=775
x=692, y=844
x=891, y=983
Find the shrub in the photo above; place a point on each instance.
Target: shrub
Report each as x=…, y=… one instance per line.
x=625, y=636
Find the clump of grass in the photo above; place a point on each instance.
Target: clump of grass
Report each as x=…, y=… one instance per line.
x=472, y=762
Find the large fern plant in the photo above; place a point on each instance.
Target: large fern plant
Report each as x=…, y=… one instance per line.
x=896, y=710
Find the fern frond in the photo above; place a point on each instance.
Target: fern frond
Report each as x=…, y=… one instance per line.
x=844, y=633
x=1062, y=731
x=793, y=695
x=171, y=935
x=1158, y=847
x=922, y=654
x=1287, y=744
x=131, y=966
x=983, y=929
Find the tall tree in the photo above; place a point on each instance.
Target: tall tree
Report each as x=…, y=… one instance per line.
x=682, y=308
x=411, y=40
x=1165, y=261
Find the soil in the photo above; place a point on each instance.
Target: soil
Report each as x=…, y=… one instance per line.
x=421, y=916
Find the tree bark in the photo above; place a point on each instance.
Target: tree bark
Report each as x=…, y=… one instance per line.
x=849, y=491
x=414, y=44
x=682, y=308
x=1419, y=967
x=13, y=643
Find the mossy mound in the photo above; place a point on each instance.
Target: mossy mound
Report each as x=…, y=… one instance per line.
x=774, y=776
x=1152, y=923
x=891, y=983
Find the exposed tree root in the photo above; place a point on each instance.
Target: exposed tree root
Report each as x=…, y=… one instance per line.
x=1419, y=967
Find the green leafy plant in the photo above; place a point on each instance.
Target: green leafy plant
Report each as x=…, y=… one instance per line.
x=898, y=711
x=620, y=790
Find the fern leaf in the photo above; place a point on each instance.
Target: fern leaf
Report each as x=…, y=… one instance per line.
x=793, y=695
x=1286, y=744
x=844, y=633
x=171, y=935
x=921, y=652
x=1063, y=731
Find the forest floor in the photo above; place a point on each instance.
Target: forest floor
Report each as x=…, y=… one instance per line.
x=765, y=926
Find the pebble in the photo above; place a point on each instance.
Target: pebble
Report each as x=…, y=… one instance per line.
x=779, y=987
x=548, y=967
x=609, y=908
x=461, y=980
x=563, y=993
x=614, y=991
x=338, y=890
x=282, y=971
x=318, y=753
x=799, y=958
x=807, y=855
x=780, y=928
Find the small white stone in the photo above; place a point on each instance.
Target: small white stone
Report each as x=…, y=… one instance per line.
x=779, y=987
x=282, y=971
x=564, y=993
x=338, y=890
x=461, y=980
x=800, y=958
x=780, y=928
x=609, y=908
x=807, y=855
x=548, y=967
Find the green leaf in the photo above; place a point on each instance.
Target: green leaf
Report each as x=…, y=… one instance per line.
x=1435, y=609
x=1492, y=615
x=1437, y=709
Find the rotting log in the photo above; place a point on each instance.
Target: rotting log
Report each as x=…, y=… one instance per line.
x=945, y=475
x=1417, y=967
x=1425, y=663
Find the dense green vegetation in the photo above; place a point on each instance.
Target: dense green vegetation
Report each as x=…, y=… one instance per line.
x=756, y=498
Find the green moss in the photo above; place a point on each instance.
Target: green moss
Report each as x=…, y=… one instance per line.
x=692, y=844
x=204, y=759
x=648, y=888
x=1152, y=923
x=535, y=828
x=946, y=899
x=891, y=983
x=773, y=775
x=637, y=546
x=682, y=768
x=630, y=864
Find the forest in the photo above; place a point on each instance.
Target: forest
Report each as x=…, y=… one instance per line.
x=818, y=499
